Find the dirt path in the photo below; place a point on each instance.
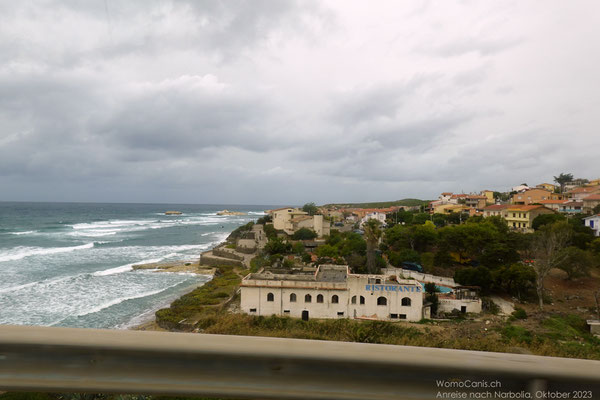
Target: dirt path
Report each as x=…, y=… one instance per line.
x=506, y=307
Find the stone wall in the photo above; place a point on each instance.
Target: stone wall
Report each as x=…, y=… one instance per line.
x=218, y=261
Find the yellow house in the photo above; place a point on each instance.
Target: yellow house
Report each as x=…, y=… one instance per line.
x=595, y=182
x=547, y=186
x=519, y=217
x=489, y=196
x=449, y=208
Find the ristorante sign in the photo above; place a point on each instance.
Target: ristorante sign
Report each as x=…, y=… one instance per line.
x=393, y=288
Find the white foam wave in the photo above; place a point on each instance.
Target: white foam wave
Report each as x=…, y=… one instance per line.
x=122, y=299
x=256, y=213
x=18, y=287
x=125, y=268
x=19, y=253
x=23, y=233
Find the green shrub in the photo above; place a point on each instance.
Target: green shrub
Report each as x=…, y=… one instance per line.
x=519, y=313
x=517, y=334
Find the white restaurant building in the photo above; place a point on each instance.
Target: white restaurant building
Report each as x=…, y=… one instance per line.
x=332, y=292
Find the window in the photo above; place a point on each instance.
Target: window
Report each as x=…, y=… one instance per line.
x=393, y=315
x=253, y=310
x=377, y=280
x=286, y=311
x=307, y=298
x=381, y=301
x=514, y=215
x=353, y=299
x=591, y=224
x=293, y=298
x=406, y=301
x=340, y=313
x=362, y=300
x=335, y=299
x=402, y=316
x=270, y=297
x=320, y=298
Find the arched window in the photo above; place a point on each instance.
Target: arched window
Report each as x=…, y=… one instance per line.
x=293, y=298
x=319, y=298
x=381, y=301
x=353, y=299
x=406, y=301
x=270, y=297
x=335, y=299
x=362, y=300
x=307, y=298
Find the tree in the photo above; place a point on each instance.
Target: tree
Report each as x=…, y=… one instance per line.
x=326, y=250
x=562, y=179
x=545, y=219
x=304, y=234
x=277, y=246
x=546, y=250
x=310, y=208
x=577, y=262
x=432, y=297
x=517, y=279
x=596, y=210
x=372, y=235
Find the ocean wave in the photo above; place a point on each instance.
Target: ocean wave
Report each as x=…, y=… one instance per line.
x=256, y=213
x=22, y=233
x=22, y=252
x=125, y=268
x=120, y=300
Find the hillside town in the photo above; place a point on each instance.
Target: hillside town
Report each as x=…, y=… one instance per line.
x=457, y=255
x=515, y=268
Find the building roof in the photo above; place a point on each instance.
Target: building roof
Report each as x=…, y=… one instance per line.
x=552, y=201
x=592, y=197
x=527, y=208
x=585, y=189
x=593, y=216
x=496, y=207
x=446, y=193
x=574, y=203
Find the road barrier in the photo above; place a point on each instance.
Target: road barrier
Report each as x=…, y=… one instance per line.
x=117, y=361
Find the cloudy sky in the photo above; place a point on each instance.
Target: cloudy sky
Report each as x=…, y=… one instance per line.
x=275, y=102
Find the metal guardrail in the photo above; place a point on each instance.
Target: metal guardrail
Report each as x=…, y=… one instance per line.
x=108, y=361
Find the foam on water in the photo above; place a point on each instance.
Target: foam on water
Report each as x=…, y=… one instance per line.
x=19, y=253
x=54, y=272
x=125, y=268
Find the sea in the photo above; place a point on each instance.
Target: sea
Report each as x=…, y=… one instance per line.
x=70, y=264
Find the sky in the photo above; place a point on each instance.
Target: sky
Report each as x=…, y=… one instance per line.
x=288, y=102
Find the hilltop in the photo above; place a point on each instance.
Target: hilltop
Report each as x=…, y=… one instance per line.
x=381, y=204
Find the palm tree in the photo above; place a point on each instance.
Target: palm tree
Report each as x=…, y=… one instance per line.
x=373, y=234
x=562, y=179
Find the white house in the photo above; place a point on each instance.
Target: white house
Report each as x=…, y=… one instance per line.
x=594, y=223
x=332, y=292
x=381, y=217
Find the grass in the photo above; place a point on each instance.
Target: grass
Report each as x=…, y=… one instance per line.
x=212, y=293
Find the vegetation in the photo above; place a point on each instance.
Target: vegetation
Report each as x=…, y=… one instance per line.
x=547, y=253
x=373, y=233
x=310, y=208
x=304, y=234
x=562, y=179
x=212, y=293
x=239, y=231
x=576, y=263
